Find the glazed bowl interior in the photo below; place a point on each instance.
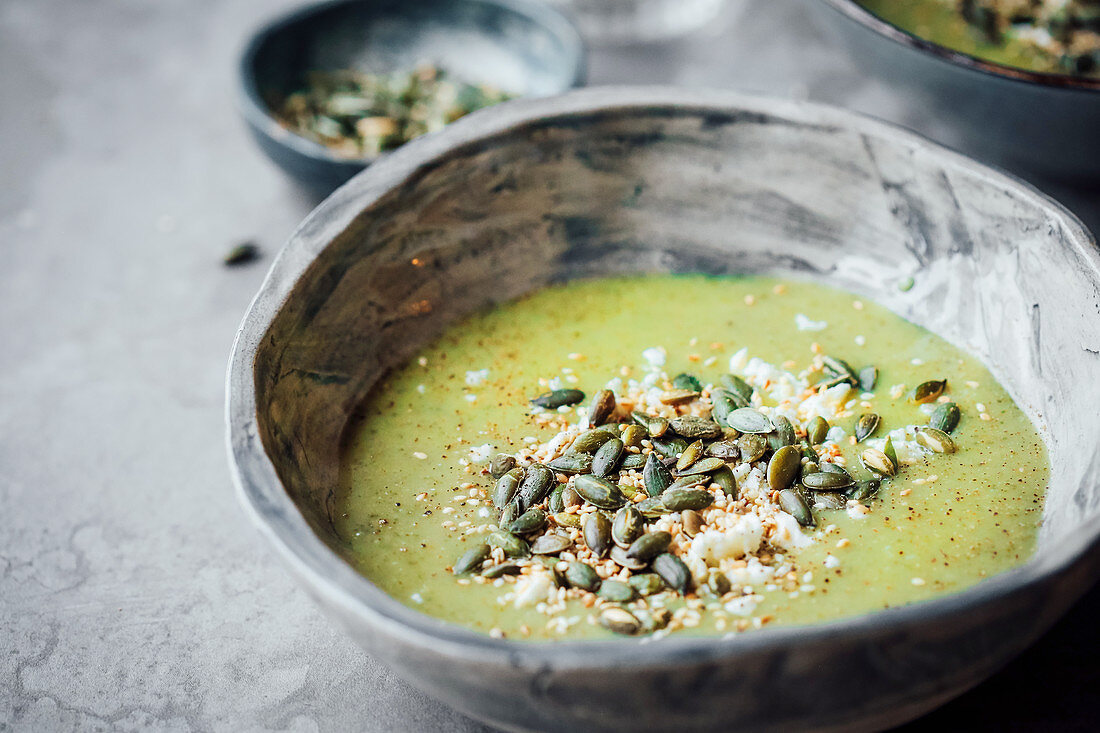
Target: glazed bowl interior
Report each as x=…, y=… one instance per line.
x=608, y=182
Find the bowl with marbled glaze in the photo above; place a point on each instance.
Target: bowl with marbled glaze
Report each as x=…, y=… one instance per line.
x=614, y=181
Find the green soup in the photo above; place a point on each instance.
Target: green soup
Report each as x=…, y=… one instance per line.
x=415, y=491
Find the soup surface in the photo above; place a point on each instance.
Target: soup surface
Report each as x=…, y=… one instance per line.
x=750, y=547
x=1050, y=36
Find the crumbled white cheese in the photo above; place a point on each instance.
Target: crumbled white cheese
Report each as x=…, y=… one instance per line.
x=802, y=323
x=481, y=453
x=743, y=606
x=857, y=510
x=831, y=561
x=744, y=537
x=655, y=356
x=477, y=377
x=532, y=589
x=788, y=534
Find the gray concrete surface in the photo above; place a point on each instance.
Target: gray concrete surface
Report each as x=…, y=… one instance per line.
x=133, y=594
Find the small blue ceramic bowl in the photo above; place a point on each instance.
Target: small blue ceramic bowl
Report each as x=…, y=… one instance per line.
x=520, y=46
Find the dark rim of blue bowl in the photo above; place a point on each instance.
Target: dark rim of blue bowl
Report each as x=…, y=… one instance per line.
x=867, y=19
x=257, y=113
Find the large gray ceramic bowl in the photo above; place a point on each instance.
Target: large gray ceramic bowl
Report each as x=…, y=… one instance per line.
x=611, y=181
x=1044, y=124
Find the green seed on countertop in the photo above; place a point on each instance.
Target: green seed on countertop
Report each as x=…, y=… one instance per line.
x=572, y=463
x=783, y=468
x=582, y=576
x=652, y=508
x=646, y=583
x=618, y=554
x=590, y=440
x=530, y=521
x=501, y=464
x=599, y=491
x=722, y=404
x=866, y=426
x=472, y=559
x=655, y=425
x=692, y=427
x=603, y=404
x=558, y=398
x=648, y=546
x=535, y=486
x=566, y=519
x=929, y=391
x=792, y=502
x=596, y=530
x=633, y=435
x=868, y=378
x=725, y=449
x=677, y=499
x=687, y=382
x=669, y=448
x=753, y=447
x=690, y=455
x=878, y=462
x=620, y=621
x=673, y=571
x=936, y=440
x=506, y=487
x=496, y=571
x=628, y=525
x=634, y=461
x=945, y=417
x=550, y=543
x=824, y=481
x=726, y=481
x=617, y=591
x=739, y=389
x=784, y=432
x=863, y=490
x=748, y=420
x=817, y=430
x=655, y=477
x=707, y=465
x=606, y=460
x=513, y=546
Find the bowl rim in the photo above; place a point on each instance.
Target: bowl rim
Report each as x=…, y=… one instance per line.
x=256, y=112
x=351, y=595
x=861, y=15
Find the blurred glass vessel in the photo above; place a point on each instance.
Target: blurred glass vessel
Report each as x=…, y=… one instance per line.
x=637, y=21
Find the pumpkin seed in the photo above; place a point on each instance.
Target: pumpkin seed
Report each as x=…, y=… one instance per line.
x=692, y=521
x=825, y=481
x=603, y=404
x=513, y=546
x=620, y=621
x=808, y=468
x=721, y=405
x=652, y=508
x=472, y=559
x=505, y=568
x=868, y=378
x=646, y=583
x=945, y=417
x=936, y=440
x=878, y=462
x=673, y=571
x=929, y=391
x=629, y=524
x=565, y=519
x=582, y=576
x=633, y=435
x=590, y=440
x=597, y=533
x=719, y=583
x=530, y=521
x=618, y=554
x=890, y=452
x=748, y=420
x=690, y=455
x=648, y=546
x=629, y=491
x=599, y=491
x=570, y=498
x=726, y=481
x=739, y=389
x=634, y=461
x=501, y=464
x=688, y=481
x=784, y=432
x=678, y=499
x=692, y=427
x=828, y=500
x=707, y=465
x=863, y=490
x=555, y=504
x=725, y=449
x=655, y=425
x=828, y=467
x=838, y=369
x=655, y=477
x=550, y=543
x=606, y=460
x=866, y=426
x=572, y=463
x=679, y=396
x=784, y=467
x=653, y=619
x=506, y=487
x=687, y=382
x=753, y=447
x=817, y=430
x=669, y=448
x=558, y=398
x=510, y=513
x=535, y=486
x=617, y=591
x=794, y=504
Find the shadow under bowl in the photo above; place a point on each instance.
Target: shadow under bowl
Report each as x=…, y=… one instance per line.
x=614, y=181
x=1029, y=122
x=519, y=46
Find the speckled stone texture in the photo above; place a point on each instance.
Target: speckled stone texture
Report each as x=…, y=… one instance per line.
x=133, y=593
